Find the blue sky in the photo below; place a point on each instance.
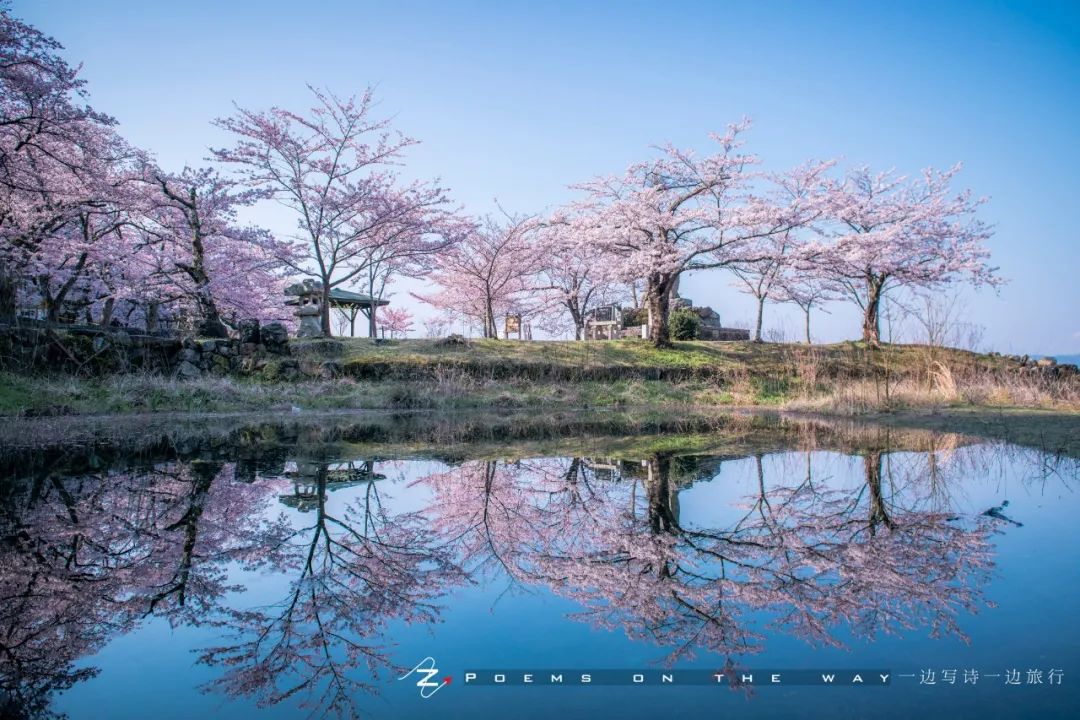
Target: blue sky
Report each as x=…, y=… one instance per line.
x=517, y=100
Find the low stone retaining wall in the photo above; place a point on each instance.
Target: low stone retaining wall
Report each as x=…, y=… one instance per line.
x=35, y=346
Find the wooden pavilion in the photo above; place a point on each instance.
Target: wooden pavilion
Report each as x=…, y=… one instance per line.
x=350, y=304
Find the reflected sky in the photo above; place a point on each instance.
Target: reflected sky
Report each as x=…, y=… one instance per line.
x=277, y=574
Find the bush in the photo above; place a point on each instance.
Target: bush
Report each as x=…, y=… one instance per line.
x=684, y=325
x=634, y=317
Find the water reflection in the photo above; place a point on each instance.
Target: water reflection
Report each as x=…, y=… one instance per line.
x=93, y=545
x=812, y=556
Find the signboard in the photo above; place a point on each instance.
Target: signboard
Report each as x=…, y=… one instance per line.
x=513, y=326
x=606, y=313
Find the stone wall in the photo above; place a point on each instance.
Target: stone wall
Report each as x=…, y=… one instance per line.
x=31, y=346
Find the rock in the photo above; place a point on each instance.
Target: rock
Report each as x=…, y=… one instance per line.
x=275, y=337
x=1046, y=362
x=190, y=344
x=187, y=371
x=454, y=339
x=326, y=347
x=122, y=338
x=219, y=365
x=248, y=348
x=284, y=369
x=189, y=355
x=247, y=331
x=329, y=370
x=209, y=346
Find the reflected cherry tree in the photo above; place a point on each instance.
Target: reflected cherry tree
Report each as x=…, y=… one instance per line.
x=303, y=566
x=85, y=557
x=807, y=557
x=351, y=569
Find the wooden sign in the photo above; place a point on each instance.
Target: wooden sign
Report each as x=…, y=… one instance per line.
x=513, y=326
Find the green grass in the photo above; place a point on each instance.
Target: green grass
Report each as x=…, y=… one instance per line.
x=838, y=380
x=624, y=359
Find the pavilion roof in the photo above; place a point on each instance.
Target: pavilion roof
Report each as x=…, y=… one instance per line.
x=346, y=298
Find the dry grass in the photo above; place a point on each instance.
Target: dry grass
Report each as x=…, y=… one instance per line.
x=940, y=386
x=841, y=379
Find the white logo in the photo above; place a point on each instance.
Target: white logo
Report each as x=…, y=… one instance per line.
x=427, y=670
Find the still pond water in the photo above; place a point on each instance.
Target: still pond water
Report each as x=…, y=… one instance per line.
x=282, y=570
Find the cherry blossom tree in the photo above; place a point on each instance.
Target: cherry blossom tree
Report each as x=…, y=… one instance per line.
x=570, y=274
x=397, y=321
x=57, y=158
x=761, y=276
x=680, y=212
x=408, y=248
x=802, y=284
x=218, y=265
x=489, y=274
x=889, y=231
x=331, y=167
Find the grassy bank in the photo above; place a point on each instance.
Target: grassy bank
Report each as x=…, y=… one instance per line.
x=925, y=385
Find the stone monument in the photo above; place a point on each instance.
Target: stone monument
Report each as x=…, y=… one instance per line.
x=308, y=301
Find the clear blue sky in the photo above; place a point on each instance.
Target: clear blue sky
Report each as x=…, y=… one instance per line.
x=516, y=100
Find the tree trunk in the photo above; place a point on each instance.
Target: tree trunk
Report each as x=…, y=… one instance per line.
x=579, y=319
x=807, y=311
x=663, y=496
x=54, y=303
x=7, y=293
x=210, y=325
x=658, y=296
x=107, y=311
x=490, y=331
x=373, y=327
x=879, y=514
x=871, y=320
x=760, y=314
x=324, y=309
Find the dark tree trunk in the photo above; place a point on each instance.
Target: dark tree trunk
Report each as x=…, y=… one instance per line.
x=372, y=324
x=490, y=331
x=107, y=311
x=324, y=308
x=879, y=514
x=7, y=293
x=210, y=324
x=152, y=310
x=663, y=497
x=54, y=303
x=871, y=316
x=806, y=310
x=658, y=296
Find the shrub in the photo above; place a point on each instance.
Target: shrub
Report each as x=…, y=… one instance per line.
x=634, y=317
x=684, y=324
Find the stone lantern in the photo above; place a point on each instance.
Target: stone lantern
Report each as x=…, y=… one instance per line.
x=308, y=301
